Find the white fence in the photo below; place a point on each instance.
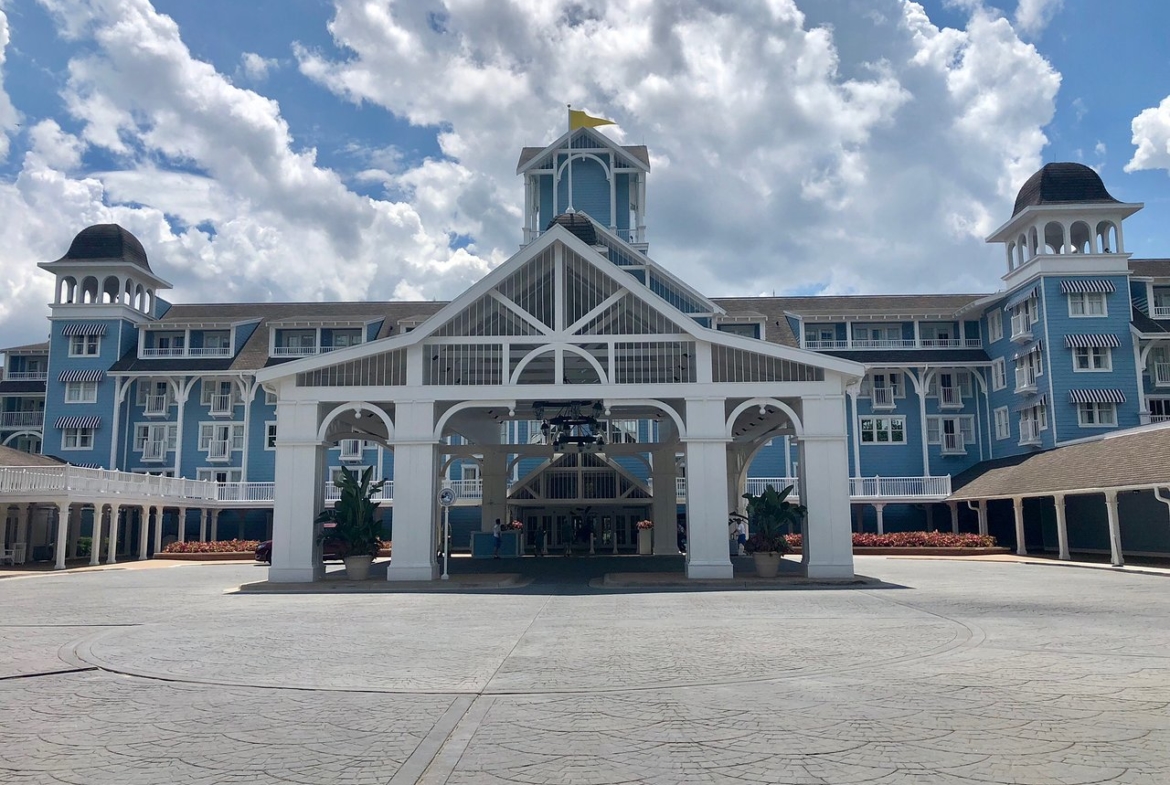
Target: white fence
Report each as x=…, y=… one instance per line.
x=64, y=479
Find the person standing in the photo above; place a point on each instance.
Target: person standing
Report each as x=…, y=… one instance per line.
x=497, y=537
x=741, y=532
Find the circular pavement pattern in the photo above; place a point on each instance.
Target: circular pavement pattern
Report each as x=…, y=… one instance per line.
x=951, y=672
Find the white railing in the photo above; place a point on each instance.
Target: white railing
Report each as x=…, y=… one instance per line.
x=26, y=376
x=296, y=351
x=1029, y=431
x=950, y=397
x=756, y=485
x=1021, y=327
x=1160, y=418
x=157, y=404
x=900, y=487
x=221, y=404
x=1162, y=374
x=154, y=352
x=1160, y=312
x=952, y=343
x=22, y=420
x=245, y=491
x=883, y=397
x=219, y=450
x=899, y=343
x=333, y=493
x=952, y=444
x=1025, y=378
x=154, y=451
x=52, y=479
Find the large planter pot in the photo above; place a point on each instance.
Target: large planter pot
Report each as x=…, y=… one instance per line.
x=645, y=542
x=767, y=564
x=357, y=568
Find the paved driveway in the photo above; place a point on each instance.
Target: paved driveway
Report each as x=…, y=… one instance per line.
x=950, y=672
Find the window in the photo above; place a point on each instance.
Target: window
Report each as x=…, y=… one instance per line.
x=882, y=430
x=889, y=380
x=748, y=330
x=994, y=327
x=269, y=436
x=77, y=439
x=1097, y=415
x=469, y=470
x=85, y=345
x=217, y=340
x=344, y=338
x=622, y=432
x=269, y=397
x=1003, y=426
x=161, y=433
x=963, y=425
x=218, y=394
x=877, y=335
x=219, y=475
x=1087, y=304
x=81, y=392
x=820, y=335
x=221, y=437
x=152, y=389
x=937, y=334
x=1092, y=358
x=998, y=374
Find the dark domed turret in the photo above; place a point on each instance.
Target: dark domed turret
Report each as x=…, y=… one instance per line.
x=1062, y=183
x=577, y=223
x=106, y=242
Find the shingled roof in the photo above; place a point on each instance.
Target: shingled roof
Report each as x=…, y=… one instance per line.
x=1062, y=183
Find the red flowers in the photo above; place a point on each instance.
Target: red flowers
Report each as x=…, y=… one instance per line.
x=220, y=546
x=913, y=540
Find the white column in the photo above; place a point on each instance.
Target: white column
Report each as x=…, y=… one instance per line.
x=74, y=533
x=706, y=445
x=1115, y=557
x=112, y=551
x=62, y=535
x=494, y=475
x=954, y=517
x=415, y=472
x=143, y=530
x=182, y=519
x=665, y=509
x=852, y=391
x=930, y=518
x=95, y=543
x=298, y=496
x=1061, y=527
x=23, y=514
x=215, y=525
x=157, y=513
x=982, y=504
x=1018, y=507
x=203, y=525
x=824, y=473
x=881, y=521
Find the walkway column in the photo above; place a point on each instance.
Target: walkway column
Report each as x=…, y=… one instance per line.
x=62, y=535
x=494, y=477
x=1115, y=557
x=298, y=495
x=143, y=530
x=1018, y=506
x=982, y=504
x=203, y=525
x=881, y=521
x=954, y=517
x=665, y=505
x=95, y=540
x=824, y=475
x=706, y=445
x=74, y=532
x=112, y=551
x=415, y=490
x=182, y=519
x=23, y=514
x=1061, y=527
x=215, y=525
x=158, y=512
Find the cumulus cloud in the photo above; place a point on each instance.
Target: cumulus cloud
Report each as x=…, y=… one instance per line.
x=9, y=117
x=255, y=67
x=1151, y=137
x=1032, y=16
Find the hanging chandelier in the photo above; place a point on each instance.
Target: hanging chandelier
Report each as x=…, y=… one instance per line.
x=571, y=424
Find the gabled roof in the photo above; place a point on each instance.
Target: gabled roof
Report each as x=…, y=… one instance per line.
x=634, y=156
x=1150, y=268
x=11, y=457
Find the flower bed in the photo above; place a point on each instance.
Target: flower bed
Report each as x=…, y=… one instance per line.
x=219, y=546
x=938, y=543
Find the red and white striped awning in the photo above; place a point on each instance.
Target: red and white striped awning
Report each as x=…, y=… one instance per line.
x=1098, y=341
x=82, y=376
x=90, y=328
x=1096, y=396
x=64, y=423
x=1086, y=286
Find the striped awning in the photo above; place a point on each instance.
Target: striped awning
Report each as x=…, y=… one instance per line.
x=87, y=465
x=1100, y=341
x=1028, y=348
x=82, y=376
x=92, y=328
x=77, y=422
x=1020, y=296
x=1039, y=400
x=1096, y=396
x=1086, y=286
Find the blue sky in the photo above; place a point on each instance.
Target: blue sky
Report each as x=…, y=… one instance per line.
x=313, y=149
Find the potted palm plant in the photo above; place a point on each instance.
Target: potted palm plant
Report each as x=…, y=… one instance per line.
x=769, y=514
x=354, y=525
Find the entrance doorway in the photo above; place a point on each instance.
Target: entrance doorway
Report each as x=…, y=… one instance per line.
x=600, y=529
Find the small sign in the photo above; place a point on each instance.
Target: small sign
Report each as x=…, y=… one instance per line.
x=447, y=497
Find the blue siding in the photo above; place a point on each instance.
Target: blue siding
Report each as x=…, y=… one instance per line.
x=109, y=350
x=590, y=190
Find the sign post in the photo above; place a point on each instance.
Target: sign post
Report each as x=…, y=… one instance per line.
x=447, y=497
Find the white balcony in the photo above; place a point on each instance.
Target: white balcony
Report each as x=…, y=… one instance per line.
x=1162, y=374
x=950, y=398
x=883, y=397
x=827, y=345
x=953, y=444
x=155, y=352
x=296, y=351
x=900, y=343
x=154, y=451
x=1026, y=379
x=219, y=450
x=1021, y=327
x=1160, y=312
x=1029, y=432
x=26, y=376
x=31, y=420
x=222, y=405
x=157, y=405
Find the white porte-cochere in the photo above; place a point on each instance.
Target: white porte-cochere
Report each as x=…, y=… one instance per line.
x=577, y=327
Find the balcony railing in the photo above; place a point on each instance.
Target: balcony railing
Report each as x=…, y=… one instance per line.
x=1162, y=374
x=156, y=352
x=303, y=351
x=952, y=444
x=219, y=450
x=1160, y=418
x=900, y=487
x=950, y=397
x=51, y=480
x=222, y=404
x=26, y=376
x=33, y=420
x=157, y=404
x=906, y=343
x=154, y=451
x=1026, y=379
x=1029, y=432
x=1021, y=327
x=1160, y=312
x=883, y=397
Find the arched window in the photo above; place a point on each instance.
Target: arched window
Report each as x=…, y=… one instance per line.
x=89, y=290
x=1054, y=237
x=111, y=288
x=1081, y=237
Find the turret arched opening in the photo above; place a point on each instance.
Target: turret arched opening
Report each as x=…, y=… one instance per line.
x=1081, y=237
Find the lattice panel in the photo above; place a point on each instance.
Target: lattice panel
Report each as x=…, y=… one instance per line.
x=654, y=362
x=533, y=287
x=487, y=316
x=630, y=316
x=737, y=365
x=380, y=370
x=463, y=364
x=586, y=287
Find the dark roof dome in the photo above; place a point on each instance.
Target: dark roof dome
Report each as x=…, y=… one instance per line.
x=106, y=241
x=1062, y=183
x=577, y=223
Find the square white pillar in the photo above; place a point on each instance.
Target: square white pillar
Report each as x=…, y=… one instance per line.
x=706, y=441
x=824, y=473
x=62, y=535
x=299, y=492
x=494, y=477
x=112, y=550
x=415, y=491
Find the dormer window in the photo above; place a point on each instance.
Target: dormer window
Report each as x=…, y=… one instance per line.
x=342, y=339
x=746, y=329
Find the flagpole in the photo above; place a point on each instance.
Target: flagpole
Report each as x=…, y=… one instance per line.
x=569, y=107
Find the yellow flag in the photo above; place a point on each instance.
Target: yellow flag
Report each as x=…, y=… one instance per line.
x=582, y=120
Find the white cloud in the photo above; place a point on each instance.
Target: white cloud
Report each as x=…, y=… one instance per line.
x=1032, y=16
x=1151, y=137
x=255, y=67
x=9, y=117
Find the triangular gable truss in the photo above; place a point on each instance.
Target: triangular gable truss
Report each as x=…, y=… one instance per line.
x=579, y=477
x=582, y=138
